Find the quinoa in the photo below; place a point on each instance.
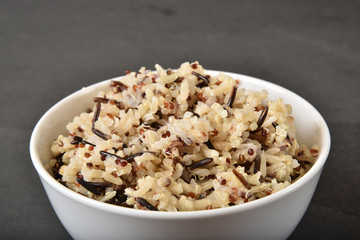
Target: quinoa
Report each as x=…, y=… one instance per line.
x=180, y=140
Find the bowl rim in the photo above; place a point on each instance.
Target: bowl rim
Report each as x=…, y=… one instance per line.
x=314, y=170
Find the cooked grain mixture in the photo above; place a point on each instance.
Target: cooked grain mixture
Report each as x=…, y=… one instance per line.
x=180, y=140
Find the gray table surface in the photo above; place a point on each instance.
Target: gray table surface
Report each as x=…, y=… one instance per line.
x=49, y=49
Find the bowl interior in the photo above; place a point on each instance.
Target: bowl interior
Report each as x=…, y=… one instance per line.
x=311, y=127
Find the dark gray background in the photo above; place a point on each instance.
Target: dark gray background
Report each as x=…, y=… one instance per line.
x=50, y=49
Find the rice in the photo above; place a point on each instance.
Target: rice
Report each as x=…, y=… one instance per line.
x=180, y=140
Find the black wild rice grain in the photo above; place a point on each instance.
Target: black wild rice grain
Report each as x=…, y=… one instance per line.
x=95, y=118
x=200, y=163
x=78, y=140
x=118, y=104
x=88, y=186
x=86, y=142
x=131, y=157
x=104, y=153
x=201, y=85
x=242, y=179
x=232, y=97
x=202, y=77
x=119, y=85
x=256, y=130
x=146, y=204
x=196, y=115
x=155, y=125
x=262, y=116
x=100, y=99
x=206, y=193
x=209, y=144
x=99, y=184
x=257, y=163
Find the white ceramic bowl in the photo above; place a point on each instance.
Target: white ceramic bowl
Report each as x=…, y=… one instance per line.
x=272, y=217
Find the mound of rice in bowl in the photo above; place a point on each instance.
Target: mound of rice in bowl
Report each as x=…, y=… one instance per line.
x=180, y=140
